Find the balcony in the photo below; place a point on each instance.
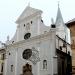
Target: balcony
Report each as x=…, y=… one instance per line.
x=62, y=45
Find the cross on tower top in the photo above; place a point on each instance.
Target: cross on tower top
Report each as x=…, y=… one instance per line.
x=58, y=3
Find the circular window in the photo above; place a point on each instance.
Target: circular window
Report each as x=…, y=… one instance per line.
x=27, y=53
x=27, y=35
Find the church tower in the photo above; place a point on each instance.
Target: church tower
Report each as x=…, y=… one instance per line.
x=60, y=25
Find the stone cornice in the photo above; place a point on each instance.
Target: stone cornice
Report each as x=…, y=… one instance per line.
x=36, y=38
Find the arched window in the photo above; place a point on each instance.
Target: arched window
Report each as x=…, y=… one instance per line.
x=12, y=68
x=44, y=64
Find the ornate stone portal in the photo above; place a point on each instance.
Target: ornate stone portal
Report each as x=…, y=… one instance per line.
x=27, y=69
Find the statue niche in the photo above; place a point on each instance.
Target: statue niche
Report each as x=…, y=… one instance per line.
x=27, y=69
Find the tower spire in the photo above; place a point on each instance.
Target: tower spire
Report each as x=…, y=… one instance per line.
x=59, y=18
x=62, y=29
x=58, y=4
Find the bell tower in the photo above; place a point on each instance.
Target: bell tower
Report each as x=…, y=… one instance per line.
x=60, y=25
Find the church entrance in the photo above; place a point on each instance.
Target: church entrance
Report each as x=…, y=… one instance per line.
x=27, y=69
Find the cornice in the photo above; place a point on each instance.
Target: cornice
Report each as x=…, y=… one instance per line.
x=32, y=39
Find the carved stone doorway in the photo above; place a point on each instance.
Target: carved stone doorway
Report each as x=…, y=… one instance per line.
x=27, y=69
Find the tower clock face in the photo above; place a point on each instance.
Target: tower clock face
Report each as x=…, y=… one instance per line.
x=27, y=36
x=27, y=53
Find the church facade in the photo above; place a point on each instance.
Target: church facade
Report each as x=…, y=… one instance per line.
x=37, y=49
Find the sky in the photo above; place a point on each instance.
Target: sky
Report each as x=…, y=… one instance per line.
x=10, y=10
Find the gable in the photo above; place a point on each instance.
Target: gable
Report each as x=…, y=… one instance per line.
x=28, y=12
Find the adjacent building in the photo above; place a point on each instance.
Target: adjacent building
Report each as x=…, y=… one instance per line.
x=71, y=25
x=37, y=49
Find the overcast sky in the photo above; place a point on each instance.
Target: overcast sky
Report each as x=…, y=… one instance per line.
x=10, y=10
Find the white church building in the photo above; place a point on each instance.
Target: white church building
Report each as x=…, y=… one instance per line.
x=36, y=49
